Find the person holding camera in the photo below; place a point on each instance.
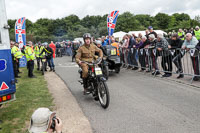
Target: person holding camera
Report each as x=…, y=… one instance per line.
x=45, y=121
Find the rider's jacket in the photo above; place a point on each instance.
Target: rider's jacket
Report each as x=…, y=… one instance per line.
x=87, y=53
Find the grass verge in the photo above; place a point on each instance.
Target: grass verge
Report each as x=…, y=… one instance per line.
x=31, y=94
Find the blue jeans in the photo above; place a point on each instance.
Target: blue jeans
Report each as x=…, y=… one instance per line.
x=69, y=51
x=52, y=63
x=130, y=62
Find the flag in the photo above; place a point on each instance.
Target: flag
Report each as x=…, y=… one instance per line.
x=20, y=32
x=111, y=22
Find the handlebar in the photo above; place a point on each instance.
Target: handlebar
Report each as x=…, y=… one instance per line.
x=98, y=61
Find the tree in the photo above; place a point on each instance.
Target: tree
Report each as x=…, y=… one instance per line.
x=90, y=21
x=197, y=18
x=163, y=20
x=127, y=22
x=172, y=22
x=144, y=20
x=72, y=26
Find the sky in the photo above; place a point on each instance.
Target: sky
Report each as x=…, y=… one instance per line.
x=35, y=9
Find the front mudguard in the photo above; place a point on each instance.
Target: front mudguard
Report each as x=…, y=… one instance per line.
x=102, y=79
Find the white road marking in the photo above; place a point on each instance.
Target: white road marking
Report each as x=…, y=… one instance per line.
x=69, y=66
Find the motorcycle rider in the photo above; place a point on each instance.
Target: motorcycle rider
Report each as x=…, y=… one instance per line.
x=86, y=52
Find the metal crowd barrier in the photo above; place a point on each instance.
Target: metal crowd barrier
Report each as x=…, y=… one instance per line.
x=171, y=61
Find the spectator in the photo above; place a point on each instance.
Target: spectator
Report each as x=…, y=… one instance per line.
x=53, y=47
x=68, y=49
x=197, y=33
x=176, y=43
x=189, y=45
x=192, y=31
x=152, y=31
x=58, y=48
x=104, y=42
x=115, y=44
x=153, y=55
x=75, y=46
x=134, y=36
x=125, y=50
x=30, y=56
x=162, y=46
x=99, y=45
x=140, y=35
x=141, y=52
x=169, y=35
x=147, y=33
x=14, y=59
x=186, y=31
x=181, y=34
x=43, y=120
x=49, y=57
x=132, y=53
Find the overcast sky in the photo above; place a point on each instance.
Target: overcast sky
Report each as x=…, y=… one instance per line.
x=35, y=9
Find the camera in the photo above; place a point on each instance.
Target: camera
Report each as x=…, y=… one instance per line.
x=53, y=124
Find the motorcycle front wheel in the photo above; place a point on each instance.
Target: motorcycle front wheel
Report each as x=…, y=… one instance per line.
x=103, y=94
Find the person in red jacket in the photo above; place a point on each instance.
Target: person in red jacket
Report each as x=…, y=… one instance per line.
x=53, y=46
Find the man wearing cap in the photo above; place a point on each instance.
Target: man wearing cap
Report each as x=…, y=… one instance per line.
x=30, y=56
x=42, y=121
x=152, y=31
x=197, y=33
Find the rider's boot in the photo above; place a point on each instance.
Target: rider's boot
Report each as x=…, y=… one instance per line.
x=86, y=91
x=53, y=69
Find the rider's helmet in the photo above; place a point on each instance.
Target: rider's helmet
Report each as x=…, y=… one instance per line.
x=86, y=35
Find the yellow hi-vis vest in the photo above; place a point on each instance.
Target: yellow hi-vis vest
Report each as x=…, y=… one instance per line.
x=181, y=34
x=16, y=52
x=37, y=51
x=30, y=54
x=43, y=54
x=197, y=34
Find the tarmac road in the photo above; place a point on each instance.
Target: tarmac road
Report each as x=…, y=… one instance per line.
x=139, y=103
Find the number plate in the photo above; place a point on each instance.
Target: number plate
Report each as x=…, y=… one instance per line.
x=113, y=52
x=43, y=60
x=98, y=71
